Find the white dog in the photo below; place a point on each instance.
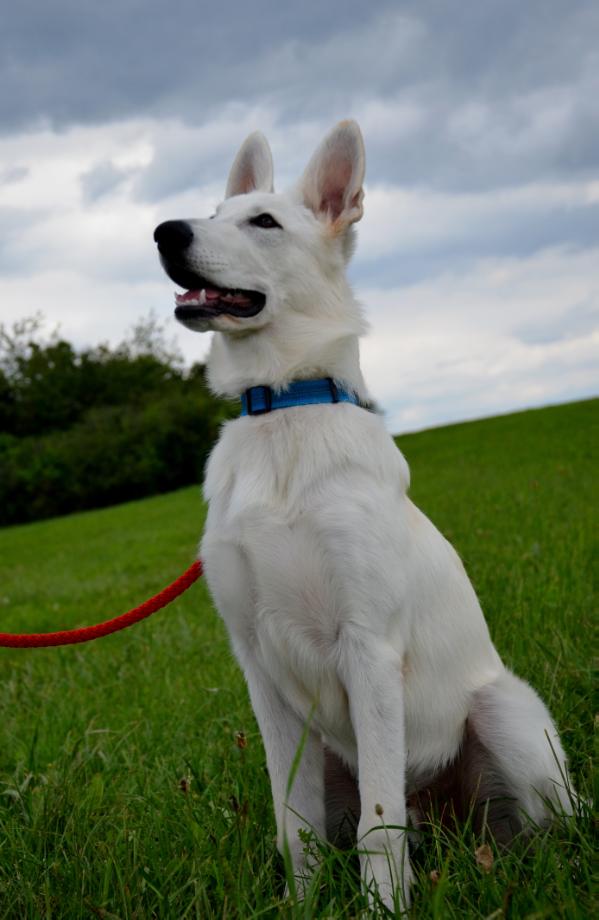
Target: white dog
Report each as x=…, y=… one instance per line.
x=359, y=634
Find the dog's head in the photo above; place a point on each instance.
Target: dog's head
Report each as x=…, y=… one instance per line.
x=268, y=260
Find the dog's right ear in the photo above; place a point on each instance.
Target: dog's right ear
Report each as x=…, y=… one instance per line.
x=252, y=170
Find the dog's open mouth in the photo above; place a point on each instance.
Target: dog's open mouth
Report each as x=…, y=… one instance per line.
x=212, y=301
x=205, y=299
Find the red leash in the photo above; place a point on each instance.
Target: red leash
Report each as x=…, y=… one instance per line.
x=71, y=636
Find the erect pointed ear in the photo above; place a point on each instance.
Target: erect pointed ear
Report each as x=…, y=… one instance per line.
x=252, y=169
x=332, y=183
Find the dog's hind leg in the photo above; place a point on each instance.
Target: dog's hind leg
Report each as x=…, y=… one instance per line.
x=342, y=801
x=514, y=768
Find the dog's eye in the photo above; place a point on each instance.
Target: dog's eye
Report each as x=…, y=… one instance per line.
x=266, y=221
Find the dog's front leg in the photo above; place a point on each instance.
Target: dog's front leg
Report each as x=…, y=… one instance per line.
x=283, y=732
x=295, y=759
x=371, y=673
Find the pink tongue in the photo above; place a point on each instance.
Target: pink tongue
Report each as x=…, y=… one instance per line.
x=189, y=295
x=211, y=294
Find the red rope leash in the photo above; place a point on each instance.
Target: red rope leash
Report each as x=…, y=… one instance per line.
x=71, y=636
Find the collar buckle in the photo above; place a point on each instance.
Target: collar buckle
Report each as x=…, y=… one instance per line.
x=267, y=396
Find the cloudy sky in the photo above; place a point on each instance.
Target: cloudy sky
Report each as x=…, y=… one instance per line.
x=478, y=256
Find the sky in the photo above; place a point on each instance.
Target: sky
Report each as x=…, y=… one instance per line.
x=478, y=255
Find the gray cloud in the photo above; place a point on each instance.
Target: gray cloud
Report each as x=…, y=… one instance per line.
x=14, y=224
x=501, y=93
x=67, y=62
x=580, y=320
x=101, y=180
x=13, y=174
x=517, y=232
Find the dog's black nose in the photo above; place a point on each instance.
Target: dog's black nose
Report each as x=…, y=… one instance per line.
x=173, y=236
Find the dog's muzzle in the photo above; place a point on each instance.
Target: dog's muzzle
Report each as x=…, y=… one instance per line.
x=202, y=299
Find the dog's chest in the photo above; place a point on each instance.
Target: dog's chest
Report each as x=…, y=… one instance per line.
x=282, y=464
x=274, y=501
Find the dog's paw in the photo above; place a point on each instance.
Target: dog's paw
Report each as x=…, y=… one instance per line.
x=386, y=885
x=297, y=891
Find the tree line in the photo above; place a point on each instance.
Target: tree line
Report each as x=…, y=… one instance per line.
x=89, y=427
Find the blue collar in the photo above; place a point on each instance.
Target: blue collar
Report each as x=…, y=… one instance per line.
x=258, y=400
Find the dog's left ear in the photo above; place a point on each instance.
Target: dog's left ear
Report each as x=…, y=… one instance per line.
x=332, y=183
x=252, y=169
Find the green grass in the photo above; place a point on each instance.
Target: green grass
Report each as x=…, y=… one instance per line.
x=125, y=790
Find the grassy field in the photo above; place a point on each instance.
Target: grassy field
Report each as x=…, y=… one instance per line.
x=132, y=775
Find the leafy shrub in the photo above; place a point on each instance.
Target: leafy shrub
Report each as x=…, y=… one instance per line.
x=98, y=427
x=115, y=454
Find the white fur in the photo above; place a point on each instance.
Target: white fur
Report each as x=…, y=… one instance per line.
x=343, y=602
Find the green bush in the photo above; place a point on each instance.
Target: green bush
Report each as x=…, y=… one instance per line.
x=115, y=454
x=92, y=427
